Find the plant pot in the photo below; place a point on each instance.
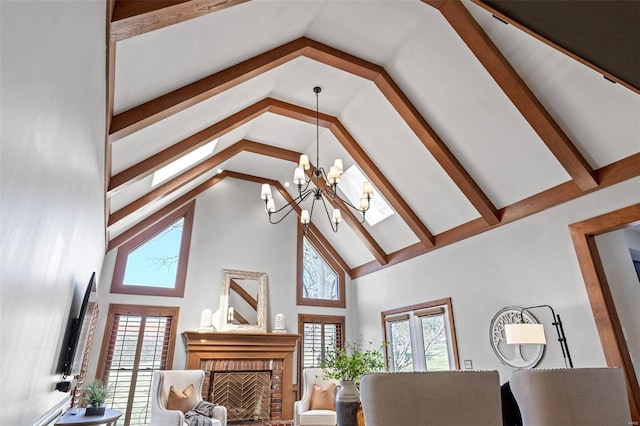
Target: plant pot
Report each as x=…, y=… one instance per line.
x=347, y=403
x=95, y=411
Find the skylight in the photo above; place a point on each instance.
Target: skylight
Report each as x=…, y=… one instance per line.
x=351, y=186
x=183, y=162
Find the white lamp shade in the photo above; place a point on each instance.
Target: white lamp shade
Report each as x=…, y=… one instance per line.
x=525, y=334
x=298, y=176
x=304, y=217
x=337, y=216
x=338, y=165
x=304, y=162
x=271, y=205
x=367, y=189
x=266, y=191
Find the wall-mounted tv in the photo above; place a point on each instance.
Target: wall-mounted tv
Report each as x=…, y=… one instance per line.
x=77, y=340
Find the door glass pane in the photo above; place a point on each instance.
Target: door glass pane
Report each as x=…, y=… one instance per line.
x=400, y=340
x=436, y=351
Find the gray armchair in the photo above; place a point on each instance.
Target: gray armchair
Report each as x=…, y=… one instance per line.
x=439, y=398
x=571, y=396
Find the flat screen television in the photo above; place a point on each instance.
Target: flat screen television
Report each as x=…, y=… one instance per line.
x=77, y=340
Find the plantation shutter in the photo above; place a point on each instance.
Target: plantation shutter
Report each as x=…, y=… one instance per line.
x=320, y=335
x=140, y=341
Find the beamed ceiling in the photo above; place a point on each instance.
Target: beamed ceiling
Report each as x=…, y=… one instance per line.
x=464, y=115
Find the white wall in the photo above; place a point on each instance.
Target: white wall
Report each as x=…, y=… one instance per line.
x=230, y=231
x=623, y=283
x=525, y=263
x=52, y=186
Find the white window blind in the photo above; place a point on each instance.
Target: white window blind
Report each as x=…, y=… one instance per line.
x=139, y=343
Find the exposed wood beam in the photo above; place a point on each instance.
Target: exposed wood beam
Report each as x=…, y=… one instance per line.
x=148, y=166
x=553, y=45
x=155, y=162
x=519, y=93
x=135, y=17
x=168, y=209
x=212, y=162
x=166, y=105
x=614, y=173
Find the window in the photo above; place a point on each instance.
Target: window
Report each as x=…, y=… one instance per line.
x=320, y=277
x=321, y=334
x=155, y=262
x=421, y=337
x=138, y=341
x=351, y=186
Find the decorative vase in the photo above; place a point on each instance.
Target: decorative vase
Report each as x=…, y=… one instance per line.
x=95, y=411
x=347, y=403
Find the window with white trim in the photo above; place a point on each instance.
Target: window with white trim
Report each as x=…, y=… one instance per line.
x=421, y=337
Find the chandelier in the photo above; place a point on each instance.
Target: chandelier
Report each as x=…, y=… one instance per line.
x=324, y=187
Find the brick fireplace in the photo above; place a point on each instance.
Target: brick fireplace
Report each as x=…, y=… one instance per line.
x=218, y=352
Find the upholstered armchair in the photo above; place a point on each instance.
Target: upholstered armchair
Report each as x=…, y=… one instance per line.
x=304, y=415
x=571, y=396
x=180, y=380
x=438, y=398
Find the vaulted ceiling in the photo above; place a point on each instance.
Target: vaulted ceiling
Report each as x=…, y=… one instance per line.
x=463, y=118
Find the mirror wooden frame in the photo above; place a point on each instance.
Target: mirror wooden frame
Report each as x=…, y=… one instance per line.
x=229, y=275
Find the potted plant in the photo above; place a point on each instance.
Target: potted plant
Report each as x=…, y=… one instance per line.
x=94, y=396
x=348, y=365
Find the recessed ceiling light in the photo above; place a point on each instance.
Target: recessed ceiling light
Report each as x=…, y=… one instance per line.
x=219, y=171
x=183, y=163
x=286, y=184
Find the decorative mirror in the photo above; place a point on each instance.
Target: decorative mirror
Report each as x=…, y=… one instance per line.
x=243, y=303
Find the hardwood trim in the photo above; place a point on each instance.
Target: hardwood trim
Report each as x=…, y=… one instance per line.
x=614, y=173
x=166, y=105
x=519, y=93
x=603, y=307
x=151, y=164
x=422, y=306
x=117, y=283
x=317, y=319
x=321, y=240
x=328, y=257
x=559, y=48
x=135, y=17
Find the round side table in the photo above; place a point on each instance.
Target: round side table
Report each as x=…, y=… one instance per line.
x=79, y=419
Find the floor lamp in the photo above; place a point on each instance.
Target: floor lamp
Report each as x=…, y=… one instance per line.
x=533, y=334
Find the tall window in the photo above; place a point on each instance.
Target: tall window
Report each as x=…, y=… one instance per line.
x=421, y=337
x=320, y=277
x=138, y=341
x=155, y=262
x=321, y=334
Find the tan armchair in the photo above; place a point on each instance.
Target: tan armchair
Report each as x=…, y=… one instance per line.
x=179, y=379
x=303, y=415
x=438, y=398
x=571, y=396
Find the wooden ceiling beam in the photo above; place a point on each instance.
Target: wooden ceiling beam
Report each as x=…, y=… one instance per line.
x=211, y=163
x=134, y=17
x=166, y=105
x=614, y=173
x=519, y=93
x=149, y=165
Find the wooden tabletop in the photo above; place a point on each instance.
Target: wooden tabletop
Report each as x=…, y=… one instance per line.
x=80, y=419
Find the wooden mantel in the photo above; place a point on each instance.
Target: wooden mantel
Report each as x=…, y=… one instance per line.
x=203, y=346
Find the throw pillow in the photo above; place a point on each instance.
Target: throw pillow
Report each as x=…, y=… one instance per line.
x=323, y=398
x=183, y=401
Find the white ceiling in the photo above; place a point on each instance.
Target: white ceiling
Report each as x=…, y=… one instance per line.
x=430, y=64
